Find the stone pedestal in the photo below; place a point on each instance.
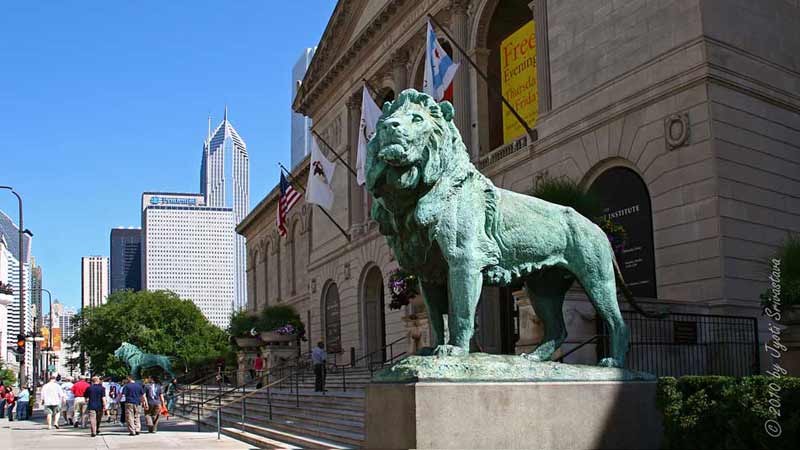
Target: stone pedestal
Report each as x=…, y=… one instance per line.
x=553, y=415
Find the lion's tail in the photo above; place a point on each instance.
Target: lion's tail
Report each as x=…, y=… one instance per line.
x=626, y=292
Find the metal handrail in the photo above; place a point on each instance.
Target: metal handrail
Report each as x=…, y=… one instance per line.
x=389, y=345
x=582, y=344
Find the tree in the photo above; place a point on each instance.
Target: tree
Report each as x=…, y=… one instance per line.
x=157, y=322
x=7, y=376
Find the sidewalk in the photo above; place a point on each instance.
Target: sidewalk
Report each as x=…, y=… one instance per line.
x=172, y=433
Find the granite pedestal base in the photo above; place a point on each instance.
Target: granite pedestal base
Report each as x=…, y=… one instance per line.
x=547, y=415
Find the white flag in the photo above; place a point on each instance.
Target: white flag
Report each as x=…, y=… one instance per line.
x=439, y=68
x=320, y=190
x=370, y=113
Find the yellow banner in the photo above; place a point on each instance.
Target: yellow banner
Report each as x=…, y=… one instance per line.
x=518, y=67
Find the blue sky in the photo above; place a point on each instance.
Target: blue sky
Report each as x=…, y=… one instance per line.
x=102, y=100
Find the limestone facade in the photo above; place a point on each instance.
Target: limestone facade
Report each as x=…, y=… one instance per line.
x=700, y=98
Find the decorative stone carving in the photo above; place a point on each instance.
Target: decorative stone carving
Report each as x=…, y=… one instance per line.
x=676, y=130
x=347, y=271
x=332, y=134
x=313, y=285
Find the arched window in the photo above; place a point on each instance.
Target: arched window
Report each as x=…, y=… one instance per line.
x=252, y=279
x=626, y=202
x=266, y=274
x=332, y=324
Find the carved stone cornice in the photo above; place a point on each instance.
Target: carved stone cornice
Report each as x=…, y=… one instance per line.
x=459, y=6
x=400, y=57
x=318, y=77
x=354, y=101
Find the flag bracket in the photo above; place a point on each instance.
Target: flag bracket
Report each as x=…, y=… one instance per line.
x=303, y=190
x=531, y=132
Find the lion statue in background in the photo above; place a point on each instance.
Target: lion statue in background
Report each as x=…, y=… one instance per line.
x=454, y=229
x=136, y=359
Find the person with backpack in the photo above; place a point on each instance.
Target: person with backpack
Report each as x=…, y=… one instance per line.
x=155, y=398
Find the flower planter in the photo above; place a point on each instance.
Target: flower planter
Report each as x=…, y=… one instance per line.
x=272, y=336
x=246, y=342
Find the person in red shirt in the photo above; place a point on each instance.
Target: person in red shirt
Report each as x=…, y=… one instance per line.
x=11, y=400
x=258, y=366
x=79, y=389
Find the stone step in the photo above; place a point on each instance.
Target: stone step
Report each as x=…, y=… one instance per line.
x=341, y=422
x=268, y=437
x=316, y=431
x=308, y=408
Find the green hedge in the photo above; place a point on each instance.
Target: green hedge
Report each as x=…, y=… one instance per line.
x=712, y=412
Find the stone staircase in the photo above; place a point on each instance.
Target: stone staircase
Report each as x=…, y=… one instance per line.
x=296, y=418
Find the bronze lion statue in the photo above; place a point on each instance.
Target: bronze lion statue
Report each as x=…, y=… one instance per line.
x=136, y=359
x=453, y=228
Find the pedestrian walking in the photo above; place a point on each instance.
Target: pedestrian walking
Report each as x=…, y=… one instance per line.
x=318, y=359
x=68, y=408
x=23, y=399
x=155, y=398
x=121, y=394
x=52, y=397
x=96, y=404
x=171, y=393
x=79, y=389
x=114, y=395
x=134, y=397
x=2, y=399
x=11, y=402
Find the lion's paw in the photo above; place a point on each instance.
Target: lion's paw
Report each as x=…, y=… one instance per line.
x=610, y=362
x=449, y=350
x=534, y=357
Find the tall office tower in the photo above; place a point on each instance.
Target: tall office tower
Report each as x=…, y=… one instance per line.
x=36, y=290
x=126, y=259
x=9, y=232
x=188, y=248
x=301, y=125
x=225, y=183
x=94, y=281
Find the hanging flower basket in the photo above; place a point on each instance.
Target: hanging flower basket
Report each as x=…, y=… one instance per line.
x=616, y=234
x=403, y=286
x=286, y=333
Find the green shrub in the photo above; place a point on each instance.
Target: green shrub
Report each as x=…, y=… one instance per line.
x=563, y=191
x=789, y=256
x=241, y=323
x=714, y=412
x=274, y=317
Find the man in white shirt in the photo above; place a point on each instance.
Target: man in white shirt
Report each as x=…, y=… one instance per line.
x=52, y=396
x=318, y=358
x=66, y=385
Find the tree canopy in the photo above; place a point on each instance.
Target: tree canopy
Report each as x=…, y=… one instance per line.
x=157, y=322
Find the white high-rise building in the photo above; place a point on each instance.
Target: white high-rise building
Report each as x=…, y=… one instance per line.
x=225, y=183
x=188, y=248
x=94, y=281
x=9, y=232
x=301, y=125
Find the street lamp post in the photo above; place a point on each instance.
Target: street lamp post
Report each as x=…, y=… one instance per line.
x=21, y=280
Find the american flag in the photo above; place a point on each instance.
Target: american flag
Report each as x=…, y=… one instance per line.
x=289, y=196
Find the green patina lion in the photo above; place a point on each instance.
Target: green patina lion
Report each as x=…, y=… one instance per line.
x=136, y=359
x=454, y=229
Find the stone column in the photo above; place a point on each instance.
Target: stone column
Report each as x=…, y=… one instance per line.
x=480, y=104
x=460, y=31
x=356, y=196
x=400, y=71
x=539, y=9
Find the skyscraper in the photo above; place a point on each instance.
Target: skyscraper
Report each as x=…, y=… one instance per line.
x=94, y=281
x=225, y=183
x=301, y=125
x=36, y=290
x=188, y=248
x=10, y=233
x=126, y=259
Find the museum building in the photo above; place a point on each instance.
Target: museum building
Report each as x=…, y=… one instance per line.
x=683, y=116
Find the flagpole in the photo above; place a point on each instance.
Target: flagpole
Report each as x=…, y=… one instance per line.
x=531, y=132
x=371, y=89
x=291, y=180
x=334, y=152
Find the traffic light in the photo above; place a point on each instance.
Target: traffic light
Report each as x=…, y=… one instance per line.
x=21, y=344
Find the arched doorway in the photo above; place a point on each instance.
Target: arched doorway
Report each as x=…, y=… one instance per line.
x=374, y=314
x=331, y=312
x=510, y=57
x=625, y=200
